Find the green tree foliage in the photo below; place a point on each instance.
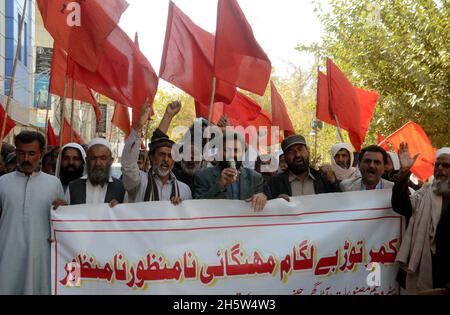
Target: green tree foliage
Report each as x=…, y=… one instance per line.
x=184, y=119
x=399, y=48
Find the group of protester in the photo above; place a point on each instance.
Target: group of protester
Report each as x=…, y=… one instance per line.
x=78, y=175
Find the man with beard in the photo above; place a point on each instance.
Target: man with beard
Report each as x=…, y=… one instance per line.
x=229, y=179
x=372, y=161
x=71, y=163
x=189, y=166
x=98, y=186
x=299, y=179
x=26, y=197
x=342, y=161
x=425, y=250
x=159, y=184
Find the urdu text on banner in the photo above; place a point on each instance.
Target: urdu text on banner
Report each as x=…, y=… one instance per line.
x=325, y=244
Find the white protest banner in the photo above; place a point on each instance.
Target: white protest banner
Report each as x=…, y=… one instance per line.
x=325, y=244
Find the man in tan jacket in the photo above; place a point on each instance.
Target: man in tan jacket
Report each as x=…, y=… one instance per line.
x=372, y=161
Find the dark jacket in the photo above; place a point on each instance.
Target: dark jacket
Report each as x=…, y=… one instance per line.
x=401, y=203
x=206, y=184
x=184, y=178
x=280, y=185
x=77, y=190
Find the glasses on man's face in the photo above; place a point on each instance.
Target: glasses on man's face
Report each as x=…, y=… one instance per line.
x=444, y=165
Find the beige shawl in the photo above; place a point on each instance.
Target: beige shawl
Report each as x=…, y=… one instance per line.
x=415, y=255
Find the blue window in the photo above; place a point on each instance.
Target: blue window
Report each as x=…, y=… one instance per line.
x=18, y=28
x=23, y=52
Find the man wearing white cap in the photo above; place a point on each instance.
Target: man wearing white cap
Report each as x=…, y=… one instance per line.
x=342, y=160
x=425, y=250
x=71, y=164
x=98, y=186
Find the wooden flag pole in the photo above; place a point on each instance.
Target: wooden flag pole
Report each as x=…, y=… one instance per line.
x=13, y=75
x=339, y=129
x=147, y=150
x=110, y=132
x=72, y=111
x=49, y=100
x=63, y=105
x=211, y=105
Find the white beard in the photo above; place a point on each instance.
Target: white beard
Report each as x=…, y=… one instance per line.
x=441, y=188
x=161, y=173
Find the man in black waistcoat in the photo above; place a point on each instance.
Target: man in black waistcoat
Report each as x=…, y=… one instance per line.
x=98, y=186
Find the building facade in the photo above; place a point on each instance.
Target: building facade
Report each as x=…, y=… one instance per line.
x=10, y=17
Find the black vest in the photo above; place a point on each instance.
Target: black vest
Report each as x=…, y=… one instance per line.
x=77, y=190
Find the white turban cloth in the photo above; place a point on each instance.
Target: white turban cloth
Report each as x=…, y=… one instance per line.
x=75, y=146
x=342, y=173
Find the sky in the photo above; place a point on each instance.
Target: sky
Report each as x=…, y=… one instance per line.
x=279, y=26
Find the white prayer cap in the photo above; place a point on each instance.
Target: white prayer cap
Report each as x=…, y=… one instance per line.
x=395, y=160
x=99, y=141
x=442, y=152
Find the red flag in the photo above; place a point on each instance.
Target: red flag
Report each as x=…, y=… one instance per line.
x=239, y=59
x=66, y=134
x=10, y=124
x=81, y=27
x=352, y=106
x=280, y=116
x=367, y=101
x=240, y=112
x=418, y=142
x=123, y=75
x=188, y=58
x=52, y=139
x=121, y=119
x=323, y=112
x=58, y=75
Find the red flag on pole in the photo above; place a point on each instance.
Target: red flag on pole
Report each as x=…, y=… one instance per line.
x=323, y=112
x=418, y=142
x=66, y=134
x=188, y=58
x=81, y=27
x=52, y=139
x=58, y=75
x=351, y=106
x=240, y=111
x=367, y=101
x=121, y=119
x=123, y=75
x=10, y=124
x=280, y=116
x=239, y=59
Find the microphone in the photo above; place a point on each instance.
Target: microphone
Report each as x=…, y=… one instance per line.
x=233, y=166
